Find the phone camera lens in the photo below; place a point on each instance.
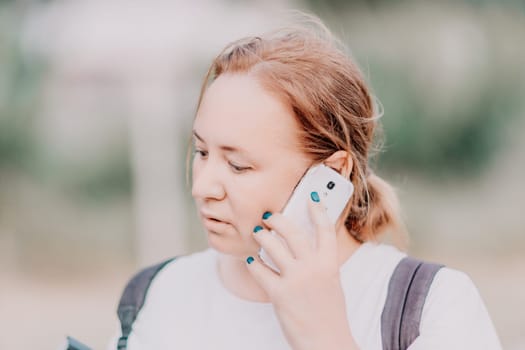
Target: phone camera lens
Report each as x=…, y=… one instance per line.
x=330, y=185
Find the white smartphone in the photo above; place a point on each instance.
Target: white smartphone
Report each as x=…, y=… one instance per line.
x=334, y=191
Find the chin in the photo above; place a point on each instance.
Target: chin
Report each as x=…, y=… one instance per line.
x=232, y=246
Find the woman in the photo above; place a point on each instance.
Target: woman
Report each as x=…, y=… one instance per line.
x=270, y=108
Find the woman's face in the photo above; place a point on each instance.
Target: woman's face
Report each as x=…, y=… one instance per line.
x=247, y=160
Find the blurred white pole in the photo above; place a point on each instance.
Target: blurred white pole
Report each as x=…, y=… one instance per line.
x=157, y=175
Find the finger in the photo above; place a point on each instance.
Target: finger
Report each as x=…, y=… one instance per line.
x=263, y=275
x=296, y=239
x=275, y=247
x=324, y=228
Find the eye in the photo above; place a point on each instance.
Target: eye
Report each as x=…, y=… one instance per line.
x=237, y=168
x=200, y=153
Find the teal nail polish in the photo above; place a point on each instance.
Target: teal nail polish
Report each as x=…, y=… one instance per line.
x=315, y=196
x=266, y=215
x=249, y=260
x=257, y=229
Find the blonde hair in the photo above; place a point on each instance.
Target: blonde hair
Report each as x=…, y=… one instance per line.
x=306, y=68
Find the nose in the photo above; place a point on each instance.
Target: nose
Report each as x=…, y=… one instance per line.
x=206, y=182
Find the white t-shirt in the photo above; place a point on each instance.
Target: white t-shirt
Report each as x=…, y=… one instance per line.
x=187, y=307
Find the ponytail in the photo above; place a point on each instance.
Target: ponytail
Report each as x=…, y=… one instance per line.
x=377, y=213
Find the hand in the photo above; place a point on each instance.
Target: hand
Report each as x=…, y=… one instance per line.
x=307, y=295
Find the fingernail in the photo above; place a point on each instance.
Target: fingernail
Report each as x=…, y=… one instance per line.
x=266, y=215
x=249, y=260
x=257, y=229
x=315, y=196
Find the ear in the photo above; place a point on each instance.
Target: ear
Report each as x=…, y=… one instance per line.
x=341, y=161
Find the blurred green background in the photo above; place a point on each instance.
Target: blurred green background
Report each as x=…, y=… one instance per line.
x=96, y=103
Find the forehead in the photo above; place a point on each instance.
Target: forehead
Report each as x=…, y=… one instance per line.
x=237, y=111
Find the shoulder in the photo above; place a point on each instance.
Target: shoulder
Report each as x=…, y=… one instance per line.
x=182, y=271
x=454, y=315
x=177, y=298
x=178, y=288
x=189, y=263
x=167, y=278
x=452, y=289
x=449, y=282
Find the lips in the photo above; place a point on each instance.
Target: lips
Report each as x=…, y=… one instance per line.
x=216, y=227
x=212, y=217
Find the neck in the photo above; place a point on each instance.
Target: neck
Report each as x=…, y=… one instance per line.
x=236, y=278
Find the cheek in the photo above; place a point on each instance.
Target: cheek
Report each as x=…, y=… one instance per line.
x=251, y=200
x=248, y=202
x=282, y=187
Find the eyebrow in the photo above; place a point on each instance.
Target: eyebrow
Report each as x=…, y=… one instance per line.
x=222, y=147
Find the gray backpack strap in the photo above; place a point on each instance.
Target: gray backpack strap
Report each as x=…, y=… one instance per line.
x=133, y=298
x=407, y=291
